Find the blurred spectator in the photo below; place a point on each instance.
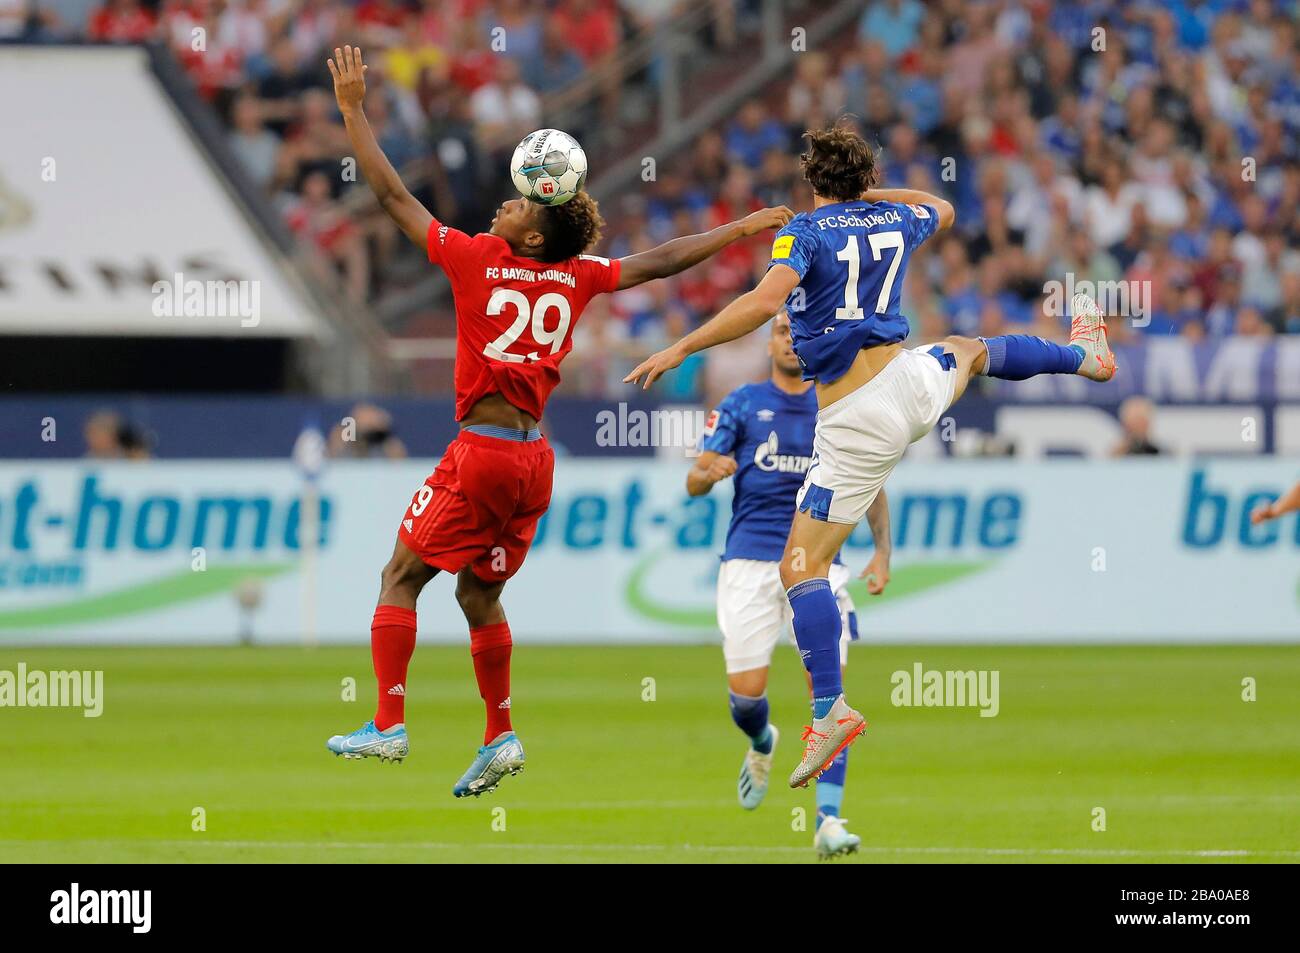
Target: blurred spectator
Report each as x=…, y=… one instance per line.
x=282, y=88
x=590, y=26
x=109, y=436
x=120, y=21
x=254, y=145
x=315, y=219
x=1135, y=415
x=556, y=64
x=504, y=109
x=754, y=132
x=367, y=431
x=893, y=23
x=36, y=22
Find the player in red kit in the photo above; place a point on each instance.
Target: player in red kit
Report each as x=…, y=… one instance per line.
x=519, y=290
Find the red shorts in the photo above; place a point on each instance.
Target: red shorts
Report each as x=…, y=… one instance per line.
x=480, y=507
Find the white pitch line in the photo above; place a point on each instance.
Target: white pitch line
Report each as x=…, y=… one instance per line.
x=705, y=848
x=728, y=804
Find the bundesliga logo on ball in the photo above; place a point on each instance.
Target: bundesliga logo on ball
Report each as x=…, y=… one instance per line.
x=549, y=167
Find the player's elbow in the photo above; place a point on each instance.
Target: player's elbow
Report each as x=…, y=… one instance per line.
x=393, y=199
x=947, y=214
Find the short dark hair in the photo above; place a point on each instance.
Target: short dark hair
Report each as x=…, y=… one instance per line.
x=838, y=164
x=569, y=229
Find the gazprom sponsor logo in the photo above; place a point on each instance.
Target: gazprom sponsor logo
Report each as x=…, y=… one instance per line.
x=769, y=458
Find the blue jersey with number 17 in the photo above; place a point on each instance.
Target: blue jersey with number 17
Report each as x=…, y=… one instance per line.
x=851, y=258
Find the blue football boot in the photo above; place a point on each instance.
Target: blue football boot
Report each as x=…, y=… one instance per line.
x=369, y=742
x=504, y=755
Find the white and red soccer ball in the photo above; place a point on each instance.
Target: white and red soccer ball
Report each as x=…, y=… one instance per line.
x=548, y=167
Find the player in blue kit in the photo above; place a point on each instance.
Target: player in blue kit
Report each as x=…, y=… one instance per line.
x=838, y=271
x=762, y=434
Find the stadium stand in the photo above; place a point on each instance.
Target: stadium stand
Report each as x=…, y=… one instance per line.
x=1174, y=163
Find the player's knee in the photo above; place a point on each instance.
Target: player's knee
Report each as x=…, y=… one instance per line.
x=962, y=346
x=401, y=575
x=751, y=683
x=795, y=570
x=799, y=563
x=969, y=350
x=479, y=601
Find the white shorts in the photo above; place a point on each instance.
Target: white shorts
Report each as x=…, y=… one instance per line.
x=862, y=436
x=753, y=612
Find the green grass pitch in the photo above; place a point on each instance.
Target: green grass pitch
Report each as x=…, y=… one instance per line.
x=1159, y=737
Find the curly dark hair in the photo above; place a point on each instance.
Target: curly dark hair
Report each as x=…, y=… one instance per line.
x=839, y=164
x=569, y=229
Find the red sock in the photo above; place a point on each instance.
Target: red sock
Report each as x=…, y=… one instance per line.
x=490, y=646
x=392, y=642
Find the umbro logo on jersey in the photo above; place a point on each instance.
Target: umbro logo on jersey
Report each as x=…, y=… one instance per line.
x=765, y=414
x=409, y=523
x=505, y=704
x=398, y=689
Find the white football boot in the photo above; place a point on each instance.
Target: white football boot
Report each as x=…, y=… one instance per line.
x=751, y=787
x=825, y=738
x=1088, y=331
x=833, y=838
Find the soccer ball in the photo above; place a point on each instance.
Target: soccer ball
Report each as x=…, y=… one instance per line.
x=549, y=167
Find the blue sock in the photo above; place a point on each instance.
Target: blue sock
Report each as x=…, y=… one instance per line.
x=817, y=631
x=830, y=787
x=750, y=715
x=1018, y=357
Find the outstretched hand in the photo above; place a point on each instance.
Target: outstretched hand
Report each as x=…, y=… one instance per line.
x=1262, y=514
x=766, y=218
x=349, y=76
x=656, y=365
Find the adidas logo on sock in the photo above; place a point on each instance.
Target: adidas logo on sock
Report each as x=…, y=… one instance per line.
x=505, y=704
x=398, y=689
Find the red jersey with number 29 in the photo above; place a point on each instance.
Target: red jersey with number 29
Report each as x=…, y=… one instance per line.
x=514, y=316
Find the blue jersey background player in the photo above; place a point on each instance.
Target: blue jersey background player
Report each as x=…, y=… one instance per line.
x=762, y=436
x=838, y=271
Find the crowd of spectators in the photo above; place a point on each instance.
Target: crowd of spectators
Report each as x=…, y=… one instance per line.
x=1157, y=142
x=1150, y=140
x=457, y=80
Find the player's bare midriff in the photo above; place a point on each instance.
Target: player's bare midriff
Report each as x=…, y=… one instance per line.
x=869, y=362
x=496, y=410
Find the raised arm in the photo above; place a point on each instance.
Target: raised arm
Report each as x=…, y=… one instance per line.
x=947, y=214
x=350, y=90
x=679, y=254
x=749, y=311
